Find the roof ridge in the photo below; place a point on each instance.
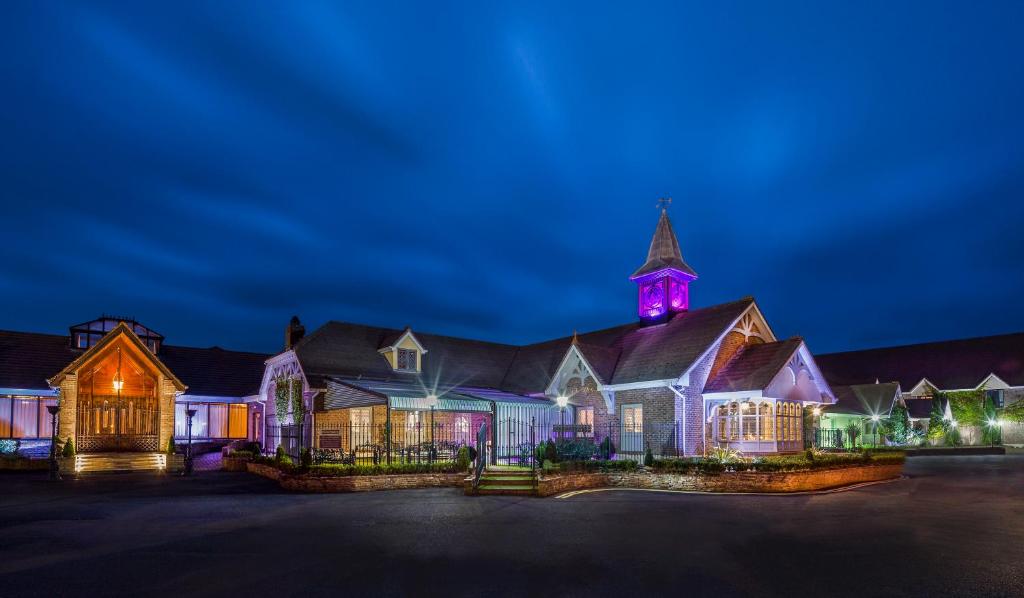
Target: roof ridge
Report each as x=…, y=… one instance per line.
x=927, y=343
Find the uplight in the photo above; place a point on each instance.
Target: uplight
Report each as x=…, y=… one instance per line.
x=562, y=401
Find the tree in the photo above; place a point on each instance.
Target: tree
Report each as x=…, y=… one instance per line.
x=991, y=432
x=968, y=409
x=898, y=424
x=298, y=406
x=853, y=431
x=937, y=423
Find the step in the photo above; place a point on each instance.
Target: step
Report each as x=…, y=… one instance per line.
x=112, y=462
x=509, y=490
x=508, y=478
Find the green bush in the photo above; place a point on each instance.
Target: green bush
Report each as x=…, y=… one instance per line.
x=170, y=446
x=462, y=457
x=279, y=454
x=69, y=448
x=548, y=467
x=579, y=449
x=540, y=452
x=606, y=450
x=305, y=458
x=329, y=470
x=598, y=466
x=551, y=451
x=801, y=462
x=648, y=457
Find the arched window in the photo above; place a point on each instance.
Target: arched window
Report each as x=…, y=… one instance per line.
x=767, y=422
x=748, y=421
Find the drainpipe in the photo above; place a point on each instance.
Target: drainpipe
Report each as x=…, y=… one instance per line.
x=683, y=397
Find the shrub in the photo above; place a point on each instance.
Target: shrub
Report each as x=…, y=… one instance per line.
x=551, y=451
x=9, y=447
x=540, y=451
x=279, y=454
x=170, y=445
x=606, y=450
x=471, y=451
x=331, y=470
x=305, y=458
x=579, y=449
x=598, y=465
x=548, y=467
x=648, y=456
x=69, y=448
x=241, y=455
x=462, y=457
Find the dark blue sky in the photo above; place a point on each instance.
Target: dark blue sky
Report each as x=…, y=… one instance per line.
x=492, y=171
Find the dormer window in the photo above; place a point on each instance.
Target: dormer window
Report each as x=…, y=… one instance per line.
x=403, y=352
x=406, y=360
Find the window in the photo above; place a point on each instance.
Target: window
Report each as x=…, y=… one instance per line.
x=218, y=421
x=82, y=341
x=26, y=418
x=361, y=416
x=406, y=360
x=238, y=421
x=412, y=421
x=585, y=417
x=996, y=396
x=462, y=429
x=632, y=429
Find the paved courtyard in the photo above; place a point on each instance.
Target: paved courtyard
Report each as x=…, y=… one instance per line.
x=955, y=527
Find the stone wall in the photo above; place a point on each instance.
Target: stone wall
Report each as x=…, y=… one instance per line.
x=66, y=421
x=742, y=482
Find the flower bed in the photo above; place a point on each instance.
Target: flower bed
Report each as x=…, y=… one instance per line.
x=359, y=478
x=794, y=473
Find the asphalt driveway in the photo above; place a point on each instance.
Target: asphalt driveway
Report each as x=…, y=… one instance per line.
x=955, y=527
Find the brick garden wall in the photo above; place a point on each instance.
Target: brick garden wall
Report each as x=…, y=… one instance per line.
x=368, y=483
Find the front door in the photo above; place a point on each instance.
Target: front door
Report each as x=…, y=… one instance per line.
x=632, y=429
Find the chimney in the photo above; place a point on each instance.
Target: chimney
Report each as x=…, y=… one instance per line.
x=293, y=333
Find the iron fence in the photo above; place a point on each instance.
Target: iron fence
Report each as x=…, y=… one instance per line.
x=375, y=444
x=516, y=441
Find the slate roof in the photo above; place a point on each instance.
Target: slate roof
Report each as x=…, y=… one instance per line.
x=865, y=399
x=629, y=353
x=952, y=364
x=664, y=251
x=754, y=367
x=28, y=359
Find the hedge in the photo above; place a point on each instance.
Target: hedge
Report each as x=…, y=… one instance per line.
x=599, y=465
x=340, y=470
x=803, y=461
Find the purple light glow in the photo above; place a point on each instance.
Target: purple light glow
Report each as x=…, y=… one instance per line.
x=661, y=292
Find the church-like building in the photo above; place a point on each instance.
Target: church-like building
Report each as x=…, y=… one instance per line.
x=676, y=380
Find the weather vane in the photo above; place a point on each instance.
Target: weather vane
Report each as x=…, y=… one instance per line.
x=664, y=202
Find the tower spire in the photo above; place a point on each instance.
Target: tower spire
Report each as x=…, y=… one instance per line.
x=663, y=280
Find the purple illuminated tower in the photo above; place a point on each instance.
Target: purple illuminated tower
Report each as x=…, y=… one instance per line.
x=663, y=281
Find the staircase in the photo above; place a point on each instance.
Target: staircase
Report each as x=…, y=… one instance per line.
x=90, y=463
x=515, y=482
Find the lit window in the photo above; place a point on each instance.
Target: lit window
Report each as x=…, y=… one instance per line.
x=585, y=415
x=82, y=341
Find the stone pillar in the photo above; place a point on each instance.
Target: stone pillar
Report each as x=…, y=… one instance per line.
x=165, y=400
x=67, y=418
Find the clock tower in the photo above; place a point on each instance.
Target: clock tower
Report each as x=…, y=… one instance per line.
x=663, y=281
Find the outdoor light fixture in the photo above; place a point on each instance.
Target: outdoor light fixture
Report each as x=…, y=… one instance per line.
x=992, y=423
x=817, y=411
x=118, y=382
x=875, y=418
x=562, y=401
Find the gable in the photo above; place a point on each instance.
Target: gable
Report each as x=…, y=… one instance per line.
x=121, y=335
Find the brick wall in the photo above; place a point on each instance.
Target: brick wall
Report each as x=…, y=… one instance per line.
x=66, y=419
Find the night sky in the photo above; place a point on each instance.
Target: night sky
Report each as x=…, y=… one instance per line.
x=492, y=171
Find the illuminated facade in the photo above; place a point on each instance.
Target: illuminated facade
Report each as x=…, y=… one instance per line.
x=122, y=389
x=678, y=380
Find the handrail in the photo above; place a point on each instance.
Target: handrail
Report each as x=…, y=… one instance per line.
x=481, y=454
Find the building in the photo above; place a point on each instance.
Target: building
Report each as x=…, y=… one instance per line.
x=993, y=364
x=121, y=388
x=677, y=380
x=862, y=406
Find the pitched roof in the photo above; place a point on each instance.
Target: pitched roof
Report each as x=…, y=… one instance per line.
x=754, y=367
x=622, y=354
x=865, y=399
x=951, y=364
x=346, y=350
x=664, y=251
x=28, y=359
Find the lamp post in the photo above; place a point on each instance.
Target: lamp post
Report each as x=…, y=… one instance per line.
x=54, y=470
x=562, y=401
x=190, y=413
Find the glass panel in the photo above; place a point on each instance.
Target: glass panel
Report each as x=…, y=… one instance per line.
x=180, y=421
x=26, y=414
x=5, y=417
x=45, y=419
x=200, y=429
x=238, y=427
x=218, y=421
